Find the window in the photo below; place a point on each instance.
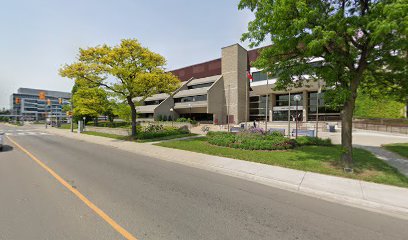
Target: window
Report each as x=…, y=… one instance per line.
x=257, y=105
x=326, y=113
x=203, y=85
x=283, y=99
x=191, y=99
x=259, y=76
x=155, y=102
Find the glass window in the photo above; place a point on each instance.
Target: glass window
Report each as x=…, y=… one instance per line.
x=191, y=98
x=280, y=116
x=283, y=100
x=259, y=76
x=200, y=85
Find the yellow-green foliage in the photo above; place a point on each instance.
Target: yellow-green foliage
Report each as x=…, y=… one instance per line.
x=367, y=107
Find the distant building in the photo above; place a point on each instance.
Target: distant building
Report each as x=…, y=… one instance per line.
x=37, y=104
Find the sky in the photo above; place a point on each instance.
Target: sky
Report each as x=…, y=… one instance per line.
x=39, y=36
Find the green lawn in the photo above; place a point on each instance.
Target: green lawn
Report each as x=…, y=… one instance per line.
x=68, y=126
x=320, y=159
x=399, y=148
x=128, y=138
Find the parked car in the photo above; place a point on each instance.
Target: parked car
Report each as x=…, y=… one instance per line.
x=1, y=140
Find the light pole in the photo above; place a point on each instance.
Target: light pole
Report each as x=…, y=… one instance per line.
x=172, y=120
x=289, y=117
x=297, y=99
x=72, y=116
x=317, y=108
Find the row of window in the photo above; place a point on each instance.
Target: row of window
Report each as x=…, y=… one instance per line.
x=262, y=76
x=191, y=99
x=155, y=102
x=257, y=107
x=202, y=85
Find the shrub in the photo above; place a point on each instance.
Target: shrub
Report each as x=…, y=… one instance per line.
x=181, y=120
x=250, y=141
x=113, y=124
x=306, y=140
x=158, y=131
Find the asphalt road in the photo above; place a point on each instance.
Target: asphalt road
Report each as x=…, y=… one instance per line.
x=155, y=199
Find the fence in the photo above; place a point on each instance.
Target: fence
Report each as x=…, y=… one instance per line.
x=381, y=127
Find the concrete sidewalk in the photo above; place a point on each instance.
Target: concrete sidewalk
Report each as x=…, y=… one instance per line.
x=371, y=196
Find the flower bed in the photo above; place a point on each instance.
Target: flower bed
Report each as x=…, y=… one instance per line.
x=158, y=131
x=257, y=140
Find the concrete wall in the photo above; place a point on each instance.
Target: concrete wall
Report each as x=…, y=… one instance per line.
x=216, y=101
x=234, y=64
x=164, y=109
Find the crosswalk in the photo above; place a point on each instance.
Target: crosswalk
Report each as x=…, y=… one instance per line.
x=19, y=132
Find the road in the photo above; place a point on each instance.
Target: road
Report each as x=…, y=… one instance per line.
x=155, y=199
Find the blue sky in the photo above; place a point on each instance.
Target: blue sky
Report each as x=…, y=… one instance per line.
x=39, y=36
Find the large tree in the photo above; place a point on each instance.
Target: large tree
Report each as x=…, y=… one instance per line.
x=363, y=44
x=126, y=71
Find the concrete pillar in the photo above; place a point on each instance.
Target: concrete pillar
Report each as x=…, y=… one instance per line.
x=272, y=103
x=234, y=64
x=305, y=104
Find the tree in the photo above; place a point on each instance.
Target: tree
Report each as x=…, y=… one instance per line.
x=126, y=71
x=123, y=111
x=362, y=43
x=90, y=102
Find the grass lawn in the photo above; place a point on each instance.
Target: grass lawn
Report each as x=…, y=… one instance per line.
x=320, y=159
x=128, y=138
x=399, y=148
x=68, y=126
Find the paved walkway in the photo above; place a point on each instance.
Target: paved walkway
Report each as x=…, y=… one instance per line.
x=375, y=197
x=391, y=158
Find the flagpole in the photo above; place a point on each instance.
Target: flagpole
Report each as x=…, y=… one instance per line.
x=266, y=105
x=247, y=103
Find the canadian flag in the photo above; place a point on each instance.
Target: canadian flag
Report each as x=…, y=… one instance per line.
x=249, y=76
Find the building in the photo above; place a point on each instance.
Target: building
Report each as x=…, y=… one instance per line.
x=36, y=104
x=219, y=91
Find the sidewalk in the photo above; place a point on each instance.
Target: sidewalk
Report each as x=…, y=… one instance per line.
x=371, y=196
x=391, y=158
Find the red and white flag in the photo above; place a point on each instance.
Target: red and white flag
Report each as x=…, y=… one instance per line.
x=250, y=76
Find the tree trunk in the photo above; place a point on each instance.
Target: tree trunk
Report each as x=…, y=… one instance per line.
x=346, y=134
x=133, y=111
x=347, y=125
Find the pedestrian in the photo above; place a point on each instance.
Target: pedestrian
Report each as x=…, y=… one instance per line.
x=254, y=123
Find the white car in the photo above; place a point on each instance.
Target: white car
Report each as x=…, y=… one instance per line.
x=1, y=140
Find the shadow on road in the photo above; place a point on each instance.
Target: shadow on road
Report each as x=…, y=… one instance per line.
x=6, y=148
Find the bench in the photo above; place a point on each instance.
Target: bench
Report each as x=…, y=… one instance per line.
x=309, y=133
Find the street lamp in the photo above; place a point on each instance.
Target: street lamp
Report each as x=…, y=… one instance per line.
x=297, y=99
x=172, y=120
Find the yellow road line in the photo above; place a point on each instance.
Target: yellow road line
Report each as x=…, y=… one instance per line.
x=92, y=206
